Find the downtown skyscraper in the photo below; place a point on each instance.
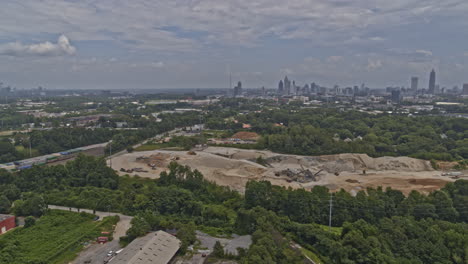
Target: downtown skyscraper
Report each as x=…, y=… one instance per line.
x=432, y=82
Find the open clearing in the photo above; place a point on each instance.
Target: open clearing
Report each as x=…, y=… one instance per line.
x=234, y=167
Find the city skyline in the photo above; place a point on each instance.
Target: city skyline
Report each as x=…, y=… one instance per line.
x=186, y=44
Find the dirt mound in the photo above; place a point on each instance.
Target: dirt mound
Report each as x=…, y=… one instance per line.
x=446, y=165
x=159, y=159
x=352, y=181
x=352, y=162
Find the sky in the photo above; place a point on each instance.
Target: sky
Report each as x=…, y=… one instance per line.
x=144, y=44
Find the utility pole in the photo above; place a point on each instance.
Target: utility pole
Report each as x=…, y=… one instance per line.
x=30, y=148
x=330, y=215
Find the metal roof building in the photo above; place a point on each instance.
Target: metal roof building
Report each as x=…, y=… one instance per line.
x=156, y=248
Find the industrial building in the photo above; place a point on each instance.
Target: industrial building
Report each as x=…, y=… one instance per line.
x=156, y=248
x=7, y=222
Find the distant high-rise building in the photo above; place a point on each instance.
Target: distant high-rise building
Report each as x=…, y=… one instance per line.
x=287, y=85
x=414, y=84
x=465, y=89
x=280, y=87
x=313, y=88
x=306, y=89
x=432, y=82
x=238, y=89
x=396, y=96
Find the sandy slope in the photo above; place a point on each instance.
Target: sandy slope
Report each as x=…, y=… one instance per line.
x=234, y=167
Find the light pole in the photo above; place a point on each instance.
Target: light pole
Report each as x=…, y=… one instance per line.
x=110, y=154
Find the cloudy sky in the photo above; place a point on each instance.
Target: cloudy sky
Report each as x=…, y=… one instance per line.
x=105, y=44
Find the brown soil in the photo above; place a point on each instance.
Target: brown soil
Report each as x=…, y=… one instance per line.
x=446, y=165
x=352, y=181
x=235, y=167
x=246, y=135
x=434, y=182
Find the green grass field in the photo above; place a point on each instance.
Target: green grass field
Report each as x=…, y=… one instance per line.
x=148, y=147
x=334, y=230
x=55, y=238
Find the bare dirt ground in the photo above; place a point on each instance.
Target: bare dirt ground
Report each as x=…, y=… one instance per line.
x=234, y=167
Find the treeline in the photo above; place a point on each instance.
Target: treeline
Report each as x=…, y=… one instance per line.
x=371, y=205
x=8, y=151
x=330, y=131
x=27, y=188
x=125, y=139
x=60, y=139
x=392, y=240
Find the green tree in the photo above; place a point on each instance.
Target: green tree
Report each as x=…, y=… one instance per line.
x=218, y=250
x=29, y=221
x=5, y=204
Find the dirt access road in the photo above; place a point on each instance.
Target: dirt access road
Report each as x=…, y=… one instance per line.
x=96, y=253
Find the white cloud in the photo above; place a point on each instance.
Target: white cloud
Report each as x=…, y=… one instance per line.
x=334, y=59
x=17, y=49
x=424, y=52
x=144, y=24
x=374, y=64
x=157, y=64
x=152, y=36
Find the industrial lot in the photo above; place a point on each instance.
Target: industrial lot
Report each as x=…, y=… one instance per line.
x=234, y=167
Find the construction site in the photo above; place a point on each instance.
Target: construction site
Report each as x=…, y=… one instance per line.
x=235, y=167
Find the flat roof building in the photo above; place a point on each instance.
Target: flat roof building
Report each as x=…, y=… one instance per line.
x=156, y=248
x=7, y=222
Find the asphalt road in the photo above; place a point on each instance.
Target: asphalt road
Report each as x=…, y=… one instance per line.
x=97, y=253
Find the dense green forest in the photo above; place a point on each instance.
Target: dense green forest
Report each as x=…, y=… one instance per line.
x=376, y=226
x=322, y=131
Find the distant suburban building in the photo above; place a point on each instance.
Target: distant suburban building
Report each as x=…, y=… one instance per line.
x=155, y=248
x=7, y=222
